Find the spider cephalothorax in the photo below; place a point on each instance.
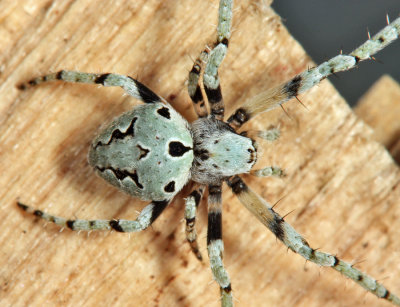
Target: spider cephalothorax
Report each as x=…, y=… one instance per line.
x=151, y=152
x=219, y=152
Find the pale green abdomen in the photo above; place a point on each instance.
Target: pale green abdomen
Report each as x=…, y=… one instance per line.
x=146, y=152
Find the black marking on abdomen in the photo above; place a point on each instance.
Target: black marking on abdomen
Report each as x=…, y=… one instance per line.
x=118, y=135
x=135, y=178
x=143, y=152
x=170, y=187
x=122, y=174
x=177, y=149
x=164, y=112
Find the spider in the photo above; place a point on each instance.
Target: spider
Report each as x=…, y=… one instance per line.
x=151, y=152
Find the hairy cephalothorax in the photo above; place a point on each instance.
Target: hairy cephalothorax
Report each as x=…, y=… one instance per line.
x=151, y=152
x=219, y=152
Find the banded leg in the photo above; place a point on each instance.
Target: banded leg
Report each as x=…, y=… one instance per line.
x=133, y=87
x=195, y=93
x=146, y=217
x=293, y=240
x=269, y=135
x=274, y=97
x=191, y=204
x=211, y=82
x=215, y=245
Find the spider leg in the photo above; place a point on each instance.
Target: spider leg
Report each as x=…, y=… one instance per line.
x=191, y=204
x=211, y=82
x=274, y=97
x=271, y=134
x=269, y=171
x=146, y=217
x=195, y=93
x=215, y=245
x=293, y=240
x=131, y=86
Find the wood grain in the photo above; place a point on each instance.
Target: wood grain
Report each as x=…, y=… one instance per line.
x=380, y=109
x=343, y=186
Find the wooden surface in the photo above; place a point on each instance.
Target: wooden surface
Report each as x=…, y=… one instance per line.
x=343, y=186
x=380, y=109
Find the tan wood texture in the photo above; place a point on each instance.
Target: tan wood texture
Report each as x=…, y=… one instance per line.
x=342, y=185
x=380, y=109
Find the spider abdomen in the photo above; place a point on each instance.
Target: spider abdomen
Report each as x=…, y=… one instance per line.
x=146, y=152
x=219, y=151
